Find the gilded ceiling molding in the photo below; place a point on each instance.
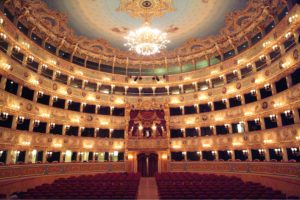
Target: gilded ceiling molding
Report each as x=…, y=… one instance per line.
x=53, y=25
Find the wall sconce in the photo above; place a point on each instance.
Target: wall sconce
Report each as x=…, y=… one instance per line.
x=267, y=87
x=245, y=152
x=17, y=153
x=82, y=128
x=49, y=153
x=40, y=94
x=224, y=100
x=130, y=157
x=67, y=127
x=209, y=104
x=55, y=98
x=288, y=114
x=16, y=49
x=293, y=149
x=153, y=127
x=140, y=127
x=83, y=104
x=234, y=72
x=253, y=92
x=214, y=153
x=69, y=101
x=44, y=66
x=229, y=152
x=1, y=153
x=3, y=36
x=238, y=97
x=3, y=116
x=164, y=156
x=30, y=58
x=287, y=35
x=261, y=152
x=52, y=125
x=20, y=120
x=273, y=117
x=278, y=152
x=96, y=153
x=199, y=153
x=57, y=73
x=36, y=123
x=293, y=18
x=257, y=121
x=262, y=58
x=249, y=65
x=181, y=107
x=275, y=47
x=6, y=66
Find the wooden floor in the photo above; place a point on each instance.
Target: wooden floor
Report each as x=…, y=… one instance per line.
x=148, y=188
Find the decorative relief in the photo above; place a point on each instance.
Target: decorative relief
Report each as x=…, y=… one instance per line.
x=264, y=105
x=54, y=86
x=69, y=91
x=267, y=72
x=238, y=85
x=224, y=90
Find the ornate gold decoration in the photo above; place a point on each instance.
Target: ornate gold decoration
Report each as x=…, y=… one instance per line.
x=146, y=9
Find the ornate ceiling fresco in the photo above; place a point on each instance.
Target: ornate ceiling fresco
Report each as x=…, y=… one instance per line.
x=103, y=19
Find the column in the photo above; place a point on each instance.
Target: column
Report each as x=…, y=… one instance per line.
x=182, y=110
x=35, y=95
x=216, y=155
x=183, y=132
x=213, y=130
x=239, y=74
x=224, y=79
x=168, y=91
x=31, y=125
x=249, y=154
x=279, y=119
x=233, y=155
x=289, y=81
x=3, y=83
x=8, y=156
x=284, y=154
x=262, y=123
x=227, y=103
x=153, y=91
x=258, y=96
x=212, y=106
x=268, y=59
x=196, y=86
x=242, y=97
x=197, y=108
x=61, y=156
x=14, y=123
x=44, y=156
x=273, y=88
x=51, y=101
x=185, y=156
x=64, y=130
x=267, y=154
x=27, y=156
x=126, y=88
x=48, y=128
x=296, y=116
x=67, y=104
x=246, y=127
x=81, y=107
x=19, y=91
x=229, y=126
x=209, y=83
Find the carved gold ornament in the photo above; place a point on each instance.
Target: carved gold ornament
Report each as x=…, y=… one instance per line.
x=146, y=9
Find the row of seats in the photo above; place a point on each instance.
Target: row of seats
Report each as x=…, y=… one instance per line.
x=100, y=186
x=184, y=185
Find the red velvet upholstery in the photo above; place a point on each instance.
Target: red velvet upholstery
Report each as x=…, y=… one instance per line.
x=100, y=186
x=207, y=186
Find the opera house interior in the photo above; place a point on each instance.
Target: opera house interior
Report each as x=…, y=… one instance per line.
x=149, y=99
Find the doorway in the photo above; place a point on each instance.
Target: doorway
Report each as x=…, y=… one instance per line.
x=147, y=164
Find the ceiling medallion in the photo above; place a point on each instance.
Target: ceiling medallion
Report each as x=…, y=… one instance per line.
x=146, y=41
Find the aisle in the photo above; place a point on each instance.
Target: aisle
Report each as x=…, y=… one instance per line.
x=148, y=188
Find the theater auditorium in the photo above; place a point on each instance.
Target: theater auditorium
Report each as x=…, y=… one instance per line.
x=149, y=99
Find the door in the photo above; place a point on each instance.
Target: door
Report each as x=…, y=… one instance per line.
x=147, y=164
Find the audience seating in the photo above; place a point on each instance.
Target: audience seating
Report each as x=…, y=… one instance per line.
x=184, y=185
x=100, y=186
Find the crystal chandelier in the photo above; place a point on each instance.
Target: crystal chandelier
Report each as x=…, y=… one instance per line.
x=146, y=40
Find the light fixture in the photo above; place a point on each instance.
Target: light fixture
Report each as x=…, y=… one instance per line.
x=146, y=41
x=20, y=120
x=3, y=116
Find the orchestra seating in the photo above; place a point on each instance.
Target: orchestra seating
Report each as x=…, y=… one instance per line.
x=184, y=185
x=99, y=186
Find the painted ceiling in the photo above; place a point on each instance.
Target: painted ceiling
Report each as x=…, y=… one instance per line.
x=191, y=19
